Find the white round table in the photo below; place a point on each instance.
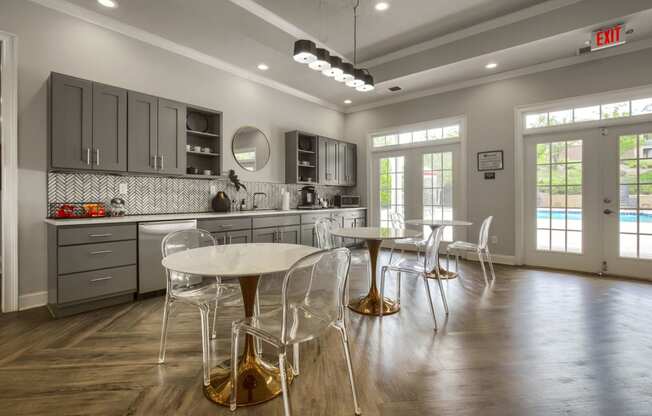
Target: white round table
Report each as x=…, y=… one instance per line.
x=371, y=303
x=434, y=224
x=258, y=381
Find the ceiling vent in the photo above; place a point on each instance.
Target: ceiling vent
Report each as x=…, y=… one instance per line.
x=395, y=88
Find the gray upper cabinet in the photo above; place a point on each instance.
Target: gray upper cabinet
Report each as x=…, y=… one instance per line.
x=171, y=137
x=109, y=128
x=142, y=132
x=328, y=170
x=71, y=122
x=347, y=164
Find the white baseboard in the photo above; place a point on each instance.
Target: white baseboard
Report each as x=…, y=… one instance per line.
x=496, y=258
x=32, y=300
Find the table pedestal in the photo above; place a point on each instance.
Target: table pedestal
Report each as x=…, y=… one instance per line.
x=371, y=303
x=258, y=381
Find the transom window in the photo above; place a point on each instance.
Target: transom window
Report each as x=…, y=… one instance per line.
x=416, y=136
x=619, y=109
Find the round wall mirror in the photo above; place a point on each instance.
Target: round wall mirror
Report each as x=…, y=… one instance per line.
x=250, y=148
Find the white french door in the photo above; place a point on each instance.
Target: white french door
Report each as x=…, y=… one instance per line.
x=589, y=200
x=419, y=182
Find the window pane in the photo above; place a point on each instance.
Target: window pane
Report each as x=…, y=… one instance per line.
x=558, y=176
x=645, y=146
x=615, y=110
x=643, y=106
x=558, y=219
x=536, y=120
x=628, y=221
x=391, y=140
x=543, y=197
x=628, y=245
x=574, y=242
x=574, y=151
x=447, y=160
x=574, y=197
x=435, y=134
x=574, y=174
x=645, y=222
x=557, y=118
x=436, y=161
x=379, y=141
x=427, y=162
x=628, y=196
x=419, y=136
x=628, y=147
x=543, y=153
x=557, y=240
x=543, y=175
x=645, y=171
x=543, y=218
x=558, y=197
x=399, y=164
x=452, y=131
x=558, y=152
x=645, y=197
x=543, y=239
x=628, y=171
x=645, y=246
x=574, y=219
x=587, y=113
x=405, y=138
x=448, y=179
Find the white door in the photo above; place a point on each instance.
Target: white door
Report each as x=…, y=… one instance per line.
x=588, y=203
x=420, y=182
x=627, y=200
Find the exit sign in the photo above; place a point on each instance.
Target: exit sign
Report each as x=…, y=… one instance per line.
x=608, y=37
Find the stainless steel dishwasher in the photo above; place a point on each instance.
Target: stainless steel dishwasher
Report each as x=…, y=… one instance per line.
x=151, y=274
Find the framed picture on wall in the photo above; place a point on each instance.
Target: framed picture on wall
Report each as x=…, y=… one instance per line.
x=492, y=160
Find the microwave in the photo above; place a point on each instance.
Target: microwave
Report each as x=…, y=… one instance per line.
x=347, y=201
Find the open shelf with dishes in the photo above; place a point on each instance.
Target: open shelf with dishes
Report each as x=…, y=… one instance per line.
x=301, y=157
x=203, y=142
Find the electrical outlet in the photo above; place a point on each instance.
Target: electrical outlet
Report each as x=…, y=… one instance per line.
x=123, y=188
x=494, y=239
x=213, y=190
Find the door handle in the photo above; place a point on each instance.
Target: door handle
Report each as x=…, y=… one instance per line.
x=608, y=211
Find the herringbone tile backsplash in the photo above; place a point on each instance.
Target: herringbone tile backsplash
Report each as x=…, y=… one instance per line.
x=162, y=195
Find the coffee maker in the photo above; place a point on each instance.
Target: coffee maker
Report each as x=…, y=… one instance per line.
x=308, y=198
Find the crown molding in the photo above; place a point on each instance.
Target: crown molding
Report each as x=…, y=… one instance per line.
x=144, y=36
x=496, y=23
x=546, y=66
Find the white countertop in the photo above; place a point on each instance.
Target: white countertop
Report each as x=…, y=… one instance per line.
x=375, y=233
x=187, y=216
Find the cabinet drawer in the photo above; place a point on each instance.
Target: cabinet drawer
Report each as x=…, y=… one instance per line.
x=74, y=259
x=89, y=285
x=96, y=234
x=353, y=214
x=312, y=218
x=276, y=221
x=226, y=224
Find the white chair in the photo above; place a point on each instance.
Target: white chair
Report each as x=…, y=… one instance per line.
x=194, y=290
x=427, y=270
x=398, y=221
x=312, y=298
x=482, y=249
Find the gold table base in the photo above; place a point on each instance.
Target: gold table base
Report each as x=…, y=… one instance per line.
x=258, y=381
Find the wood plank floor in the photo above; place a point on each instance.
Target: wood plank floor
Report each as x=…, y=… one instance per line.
x=535, y=343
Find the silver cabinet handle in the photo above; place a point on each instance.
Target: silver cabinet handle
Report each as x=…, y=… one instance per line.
x=161, y=156
x=94, y=253
x=230, y=239
x=97, y=157
x=88, y=156
x=100, y=235
x=155, y=162
x=99, y=279
x=226, y=226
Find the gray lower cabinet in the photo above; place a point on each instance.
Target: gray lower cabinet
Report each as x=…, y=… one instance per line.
x=290, y=234
x=308, y=235
x=233, y=237
x=91, y=267
x=88, y=125
x=264, y=235
x=71, y=124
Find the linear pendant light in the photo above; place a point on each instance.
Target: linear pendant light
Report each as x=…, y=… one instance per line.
x=322, y=62
x=335, y=69
x=305, y=51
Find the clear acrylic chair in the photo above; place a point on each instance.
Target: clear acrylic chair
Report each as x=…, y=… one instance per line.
x=398, y=221
x=199, y=291
x=482, y=249
x=427, y=270
x=312, y=299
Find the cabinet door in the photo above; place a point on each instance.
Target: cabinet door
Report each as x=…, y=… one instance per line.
x=109, y=128
x=71, y=122
x=142, y=132
x=351, y=163
x=341, y=164
x=331, y=162
x=171, y=137
x=221, y=238
x=264, y=235
x=308, y=237
x=238, y=237
x=289, y=234
x=322, y=165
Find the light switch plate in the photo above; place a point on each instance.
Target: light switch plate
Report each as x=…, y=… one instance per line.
x=213, y=190
x=494, y=239
x=123, y=188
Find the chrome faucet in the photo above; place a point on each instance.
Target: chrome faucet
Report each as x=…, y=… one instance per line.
x=253, y=199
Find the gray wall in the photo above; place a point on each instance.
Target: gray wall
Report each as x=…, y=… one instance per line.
x=50, y=41
x=490, y=125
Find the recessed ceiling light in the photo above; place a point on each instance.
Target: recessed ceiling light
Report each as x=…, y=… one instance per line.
x=263, y=67
x=491, y=65
x=347, y=101
x=382, y=6
x=111, y=4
